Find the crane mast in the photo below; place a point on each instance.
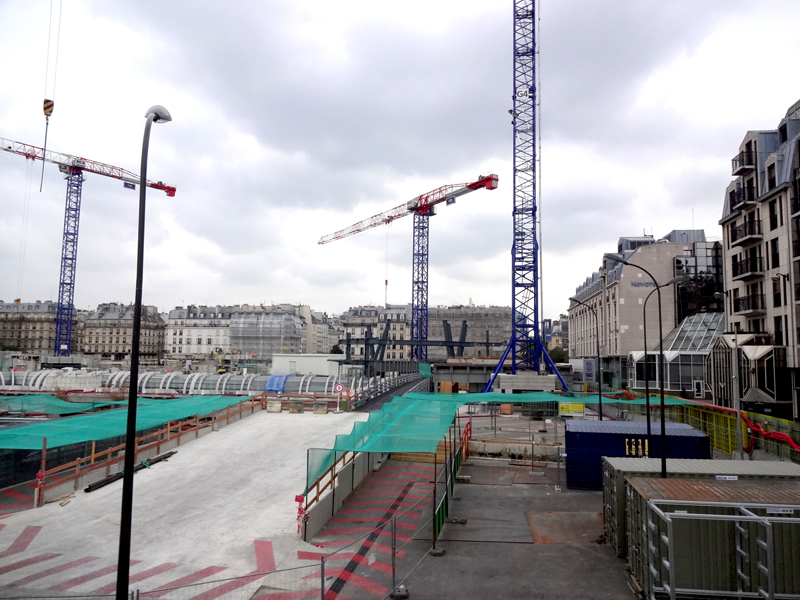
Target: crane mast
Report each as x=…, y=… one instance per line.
x=73, y=168
x=526, y=345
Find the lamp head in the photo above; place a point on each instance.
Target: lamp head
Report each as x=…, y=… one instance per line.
x=161, y=114
x=614, y=256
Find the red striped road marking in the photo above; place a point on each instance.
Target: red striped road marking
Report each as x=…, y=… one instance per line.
x=22, y=541
x=379, y=547
x=351, y=578
x=17, y=495
x=391, y=511
x=51, y=571
x=380, y=502
x=265, y=563
x=372, y=520
x=363, y=560
x=351, y=530
x=312, y=593
x=26, y=563
x=187, y=580
x=76, y=581
x=146, y=574
x=388, y=495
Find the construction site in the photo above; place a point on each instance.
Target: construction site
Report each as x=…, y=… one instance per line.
x=374, y=475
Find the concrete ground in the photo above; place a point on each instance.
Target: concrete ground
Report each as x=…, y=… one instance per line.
x=223, y=506
x=522, y=539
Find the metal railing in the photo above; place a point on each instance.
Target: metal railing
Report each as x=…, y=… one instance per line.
x=743, y=160
x=752, y=302
x=751, y=265
x=755, y=562
x=742, y=195
x=749, y=228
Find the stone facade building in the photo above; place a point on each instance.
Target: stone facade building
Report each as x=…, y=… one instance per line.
x=108, y=332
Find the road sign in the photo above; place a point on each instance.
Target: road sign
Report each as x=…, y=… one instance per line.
x=339, y=387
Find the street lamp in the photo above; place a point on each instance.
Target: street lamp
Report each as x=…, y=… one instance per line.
x=619, y=258
x=790, y=304
x=157, y=114
x=678, y=279
x=597, y=371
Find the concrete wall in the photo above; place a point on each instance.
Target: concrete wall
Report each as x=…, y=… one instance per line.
x=348, y=479
x=304, y=364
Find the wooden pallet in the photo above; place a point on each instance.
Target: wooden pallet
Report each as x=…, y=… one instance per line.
x=442, y=450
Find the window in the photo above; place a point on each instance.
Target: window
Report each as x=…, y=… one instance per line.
x=208, y=341
x=771, y=181
x=779, y=331
x=773, y=215
x=199, y=341
x=783, y=133
x=776, y=257
x=776, y=293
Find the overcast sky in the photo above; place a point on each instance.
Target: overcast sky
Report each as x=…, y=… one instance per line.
x=295, y=119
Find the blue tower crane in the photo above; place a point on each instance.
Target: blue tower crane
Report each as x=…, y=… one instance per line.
x=525, y=346
x=73, y=168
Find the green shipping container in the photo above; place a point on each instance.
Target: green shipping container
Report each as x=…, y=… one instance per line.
x=724, y=549
x=616, y=469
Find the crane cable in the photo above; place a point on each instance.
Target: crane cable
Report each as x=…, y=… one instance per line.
x=48, y=105
x=24, y=229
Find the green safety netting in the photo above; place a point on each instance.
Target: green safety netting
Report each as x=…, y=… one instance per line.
x=109, y=424
x=424, y=370
x=494, y=397
x=655, y=400
x=48, y=404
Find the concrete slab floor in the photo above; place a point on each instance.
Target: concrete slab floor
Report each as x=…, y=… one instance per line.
x=225, y=500
x=499, y=552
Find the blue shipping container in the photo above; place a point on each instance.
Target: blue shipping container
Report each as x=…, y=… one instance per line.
x=587, y=442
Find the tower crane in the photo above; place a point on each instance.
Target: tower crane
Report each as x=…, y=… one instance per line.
x=422, y=207
x=73, y=168
x=525, y=345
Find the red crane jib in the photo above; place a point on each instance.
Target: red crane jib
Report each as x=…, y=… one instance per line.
x=420, y=204
x=69, y=161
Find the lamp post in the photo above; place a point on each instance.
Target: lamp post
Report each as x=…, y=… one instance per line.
x=157, y=114
x=619, y=258
x=597, y=371
x=793, y=338
x=679, y=279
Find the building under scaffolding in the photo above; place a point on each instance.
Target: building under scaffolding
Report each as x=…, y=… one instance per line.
x=261, y=333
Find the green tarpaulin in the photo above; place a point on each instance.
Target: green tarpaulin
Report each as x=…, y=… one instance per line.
x=47, y=404
x=109, y=424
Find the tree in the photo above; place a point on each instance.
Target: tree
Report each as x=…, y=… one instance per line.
x=336, y=350
x=559, y=355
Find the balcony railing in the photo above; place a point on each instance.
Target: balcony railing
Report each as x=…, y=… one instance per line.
x=752, y=303
x=750, y=266
x=748, y=229
x=742, y=196
x=742, y=162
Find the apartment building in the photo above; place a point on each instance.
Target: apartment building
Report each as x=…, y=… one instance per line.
x=30, y=327
x=761, y=251
x=108, y=332
x=197, y=331
x=617, y=293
